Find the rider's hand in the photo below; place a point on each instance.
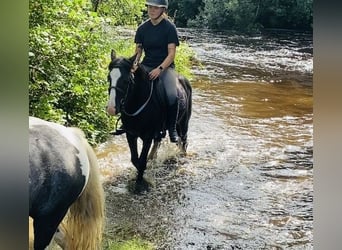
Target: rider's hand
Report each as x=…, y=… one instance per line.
x=134, y=67
x=155, y=73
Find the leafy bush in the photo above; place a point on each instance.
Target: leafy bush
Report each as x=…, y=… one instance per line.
x=67, y=65
x=69, y=51
x=121, y=12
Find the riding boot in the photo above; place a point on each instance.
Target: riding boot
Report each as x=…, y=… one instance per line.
x=172, y=120
x=119, y=131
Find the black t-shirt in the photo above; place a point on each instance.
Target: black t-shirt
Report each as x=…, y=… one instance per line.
x=155, y=39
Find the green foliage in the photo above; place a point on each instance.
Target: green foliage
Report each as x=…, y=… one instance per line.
x=212, y=15
x=122, y=12
x=291, y=14
x=233, y=14
x=242, y=15
x=182, y=11
x=69, y=51
x=67, y=65
x=183, y=59
x=125, y=48
x=134, y=244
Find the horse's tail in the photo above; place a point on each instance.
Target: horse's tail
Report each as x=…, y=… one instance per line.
x=84, y=223
x=189, y=92
x=188, y=89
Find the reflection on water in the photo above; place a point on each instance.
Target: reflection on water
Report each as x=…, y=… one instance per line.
x=247, y=182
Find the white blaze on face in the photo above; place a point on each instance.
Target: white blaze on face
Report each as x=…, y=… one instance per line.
x=72, y=137
x=114, y=75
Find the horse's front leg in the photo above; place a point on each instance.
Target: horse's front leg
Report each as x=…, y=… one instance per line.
x=133, y=147
x=141, y=185
x=143, y=158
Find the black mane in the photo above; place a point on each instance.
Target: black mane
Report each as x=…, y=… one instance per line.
x=120, y=62
x=127, y=64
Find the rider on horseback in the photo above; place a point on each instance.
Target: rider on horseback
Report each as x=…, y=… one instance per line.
x=157, y=37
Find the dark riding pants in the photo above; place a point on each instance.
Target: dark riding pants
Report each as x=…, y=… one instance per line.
x=169, y=79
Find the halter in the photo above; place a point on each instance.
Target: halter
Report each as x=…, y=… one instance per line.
x=130, y=82
x=116, y=88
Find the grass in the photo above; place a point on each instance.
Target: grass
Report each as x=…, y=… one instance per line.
x=133, y=244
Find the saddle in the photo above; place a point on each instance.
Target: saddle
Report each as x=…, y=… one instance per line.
x=161, y=93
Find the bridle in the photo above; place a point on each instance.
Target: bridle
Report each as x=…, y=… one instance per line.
x=123, y=100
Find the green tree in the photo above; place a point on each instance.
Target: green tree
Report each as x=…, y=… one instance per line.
x=232, y=14
x=289, y=14
x=184, y=10
x=243, y=15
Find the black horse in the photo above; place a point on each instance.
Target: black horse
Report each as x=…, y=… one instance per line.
x=142, y=104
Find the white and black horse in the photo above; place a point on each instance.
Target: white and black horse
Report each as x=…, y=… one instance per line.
x=142, y=104
x=64, y=185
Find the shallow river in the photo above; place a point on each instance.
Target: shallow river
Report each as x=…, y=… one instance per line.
x=247, y=181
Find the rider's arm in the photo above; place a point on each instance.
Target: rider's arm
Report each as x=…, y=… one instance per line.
x=171, y=48
x=138, y=51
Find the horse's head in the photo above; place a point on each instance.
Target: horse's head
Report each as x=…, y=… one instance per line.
x=119, y=77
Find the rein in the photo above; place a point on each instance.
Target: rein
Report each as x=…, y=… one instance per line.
x=143, y=106
x=126, y=93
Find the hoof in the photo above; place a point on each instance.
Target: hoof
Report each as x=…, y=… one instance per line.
x=141, y=186
x=183, y=146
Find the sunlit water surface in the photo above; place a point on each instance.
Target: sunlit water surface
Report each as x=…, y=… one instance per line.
x=247, y=182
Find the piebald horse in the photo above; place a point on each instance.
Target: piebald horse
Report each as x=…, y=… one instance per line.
x=66, y=194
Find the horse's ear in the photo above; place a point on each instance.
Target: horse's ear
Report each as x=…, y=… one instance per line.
x=112, y=54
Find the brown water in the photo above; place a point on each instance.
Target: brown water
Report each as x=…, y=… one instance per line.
x=247, y=182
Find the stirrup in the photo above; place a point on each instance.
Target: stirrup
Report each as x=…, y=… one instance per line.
x=119, y=131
